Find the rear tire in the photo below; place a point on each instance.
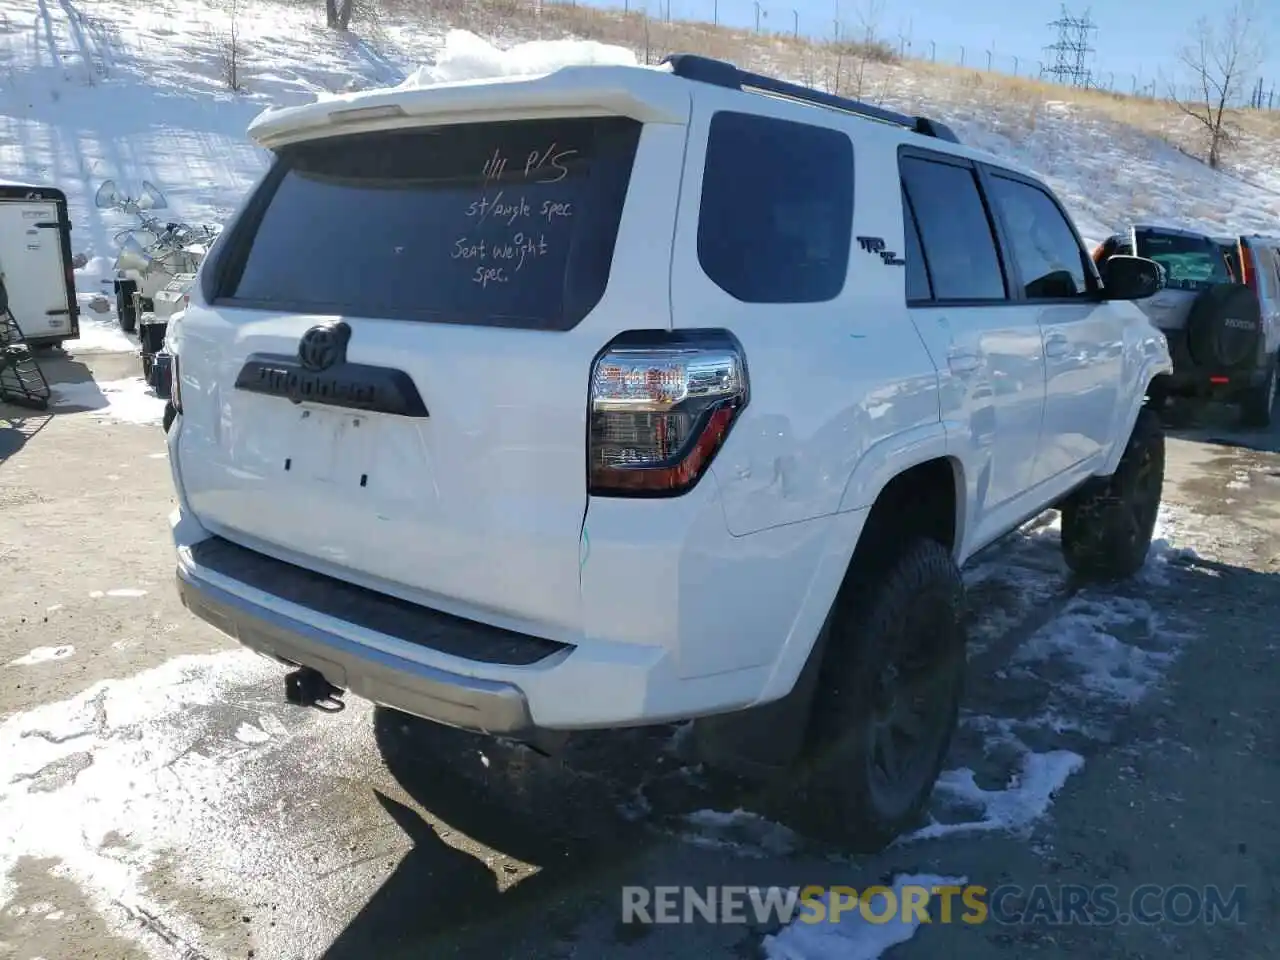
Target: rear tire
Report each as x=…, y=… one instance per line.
x=125, y=312
x=1257, y=403
x=1108, y=523
x=887, y=702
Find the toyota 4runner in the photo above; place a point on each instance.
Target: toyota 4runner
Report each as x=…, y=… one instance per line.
x=621, y=395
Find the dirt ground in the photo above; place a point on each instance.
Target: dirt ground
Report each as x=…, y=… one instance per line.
x=159, y=798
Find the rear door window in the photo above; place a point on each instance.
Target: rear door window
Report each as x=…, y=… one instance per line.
x=955, y=232
x=776, y=213
x=493, y=224
x=1191, y=262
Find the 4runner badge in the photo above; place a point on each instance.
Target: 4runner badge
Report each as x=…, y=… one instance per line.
x=876, y=245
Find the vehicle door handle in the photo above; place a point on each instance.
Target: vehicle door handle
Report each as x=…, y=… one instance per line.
x=963, y=361
x=1056, y=345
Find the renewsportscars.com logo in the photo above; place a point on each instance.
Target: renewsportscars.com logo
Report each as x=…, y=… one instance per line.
x=917, y=903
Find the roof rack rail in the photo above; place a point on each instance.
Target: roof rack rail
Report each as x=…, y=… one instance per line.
x=721, y=73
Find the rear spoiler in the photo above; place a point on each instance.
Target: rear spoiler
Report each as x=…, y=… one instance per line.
x=644, y=94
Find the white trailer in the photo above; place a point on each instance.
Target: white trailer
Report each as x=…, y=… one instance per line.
x=35, y=262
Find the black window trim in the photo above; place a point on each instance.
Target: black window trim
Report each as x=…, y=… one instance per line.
x=909, y=210
x=986, y=174
x=1011, y=292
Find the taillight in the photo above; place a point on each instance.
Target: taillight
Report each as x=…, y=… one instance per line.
x=1248, y=270
x=660, y=407
x=175, y=383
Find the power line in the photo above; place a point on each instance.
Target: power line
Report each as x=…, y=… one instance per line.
x=1071, y=51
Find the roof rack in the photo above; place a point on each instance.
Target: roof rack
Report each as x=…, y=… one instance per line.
x=721, y=73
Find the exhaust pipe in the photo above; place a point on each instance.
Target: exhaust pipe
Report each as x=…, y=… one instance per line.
x=306, y=687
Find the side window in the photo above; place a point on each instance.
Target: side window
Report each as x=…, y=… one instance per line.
x=1049, y=257
x=1262, y=260
x=955, y=233
x=918, y=288
x=776, y=214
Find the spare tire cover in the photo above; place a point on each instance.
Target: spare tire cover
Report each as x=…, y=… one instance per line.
x=1224, y=326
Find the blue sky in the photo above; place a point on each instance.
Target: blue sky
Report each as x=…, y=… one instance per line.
x=1135, y=38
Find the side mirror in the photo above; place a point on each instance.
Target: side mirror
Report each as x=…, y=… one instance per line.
x=1131, y=278
x=151, y=199
x=107, y=197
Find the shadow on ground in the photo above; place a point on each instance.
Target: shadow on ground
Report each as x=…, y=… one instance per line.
x=578, y=822
x=17, y=427
x=556, y=831
x=1218, y=424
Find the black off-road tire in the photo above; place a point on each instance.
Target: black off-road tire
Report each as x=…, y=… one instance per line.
x=896, y=639
x=1257, y=403
x=125, y=312
x=1107, y=524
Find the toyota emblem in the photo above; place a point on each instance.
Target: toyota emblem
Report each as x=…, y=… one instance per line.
x=324, y=345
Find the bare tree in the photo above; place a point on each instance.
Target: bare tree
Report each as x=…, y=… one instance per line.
x=855, y=48
x=1222, y=58
x=337, y=13
x=229, y=49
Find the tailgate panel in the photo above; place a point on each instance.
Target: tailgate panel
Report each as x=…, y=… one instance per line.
x=473, y=502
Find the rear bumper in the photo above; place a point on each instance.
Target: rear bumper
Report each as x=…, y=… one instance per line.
x=467, y=702
x=470, y=674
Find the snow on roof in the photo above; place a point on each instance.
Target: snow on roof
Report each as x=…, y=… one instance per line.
x=468, y=57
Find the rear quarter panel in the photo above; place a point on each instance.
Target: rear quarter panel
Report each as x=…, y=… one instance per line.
x=829, y=381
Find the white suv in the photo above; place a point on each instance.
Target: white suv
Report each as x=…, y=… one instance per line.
x=622, y=395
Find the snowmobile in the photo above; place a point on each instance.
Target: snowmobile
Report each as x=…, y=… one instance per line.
x=153, y=253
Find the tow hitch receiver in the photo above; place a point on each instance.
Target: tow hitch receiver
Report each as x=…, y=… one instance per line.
x=308, y=688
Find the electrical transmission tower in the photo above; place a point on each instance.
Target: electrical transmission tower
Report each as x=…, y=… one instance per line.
x=1071, y=52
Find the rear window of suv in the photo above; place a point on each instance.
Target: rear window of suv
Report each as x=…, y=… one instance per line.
x=1192, y=263
x=493, y=224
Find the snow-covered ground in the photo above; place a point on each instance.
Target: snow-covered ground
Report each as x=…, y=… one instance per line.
x=130, y=400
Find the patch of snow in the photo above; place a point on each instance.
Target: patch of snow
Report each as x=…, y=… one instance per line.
x=128, y=400
x=852, y=936
x=100, y=336
x=159, y=760
x=249, y=733
x=1172, y=524
x=127, y=592
x=99, y=333
x=1016, y=808
x=740, y=831
x=43, y=655
x=468, y=57
x=1099, y=663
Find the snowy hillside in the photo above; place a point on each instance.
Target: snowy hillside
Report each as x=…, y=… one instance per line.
x=131, y=91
